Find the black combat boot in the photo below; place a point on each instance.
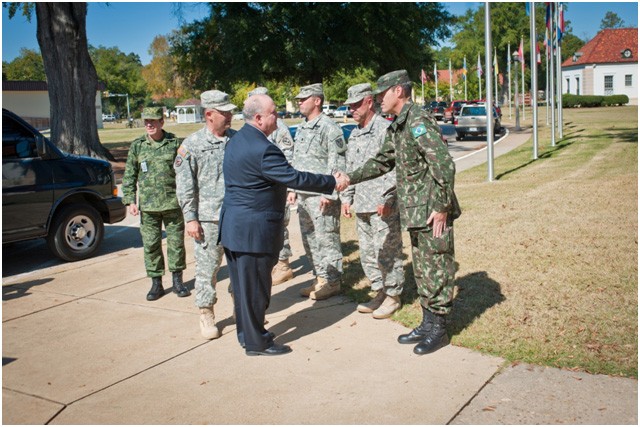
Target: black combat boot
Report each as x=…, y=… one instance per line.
x=437, y=337
x=178, y=287
x=156, y=289
x=421, y=331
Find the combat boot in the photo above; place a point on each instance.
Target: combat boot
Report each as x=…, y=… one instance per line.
x=281, y=272
x=305, y=292
x=389, y=306
x=178, y=287
x=156, y=289
x=371, y=306
x=421, y=331
x=208, y=327
x=437, y=337
x=325, y=289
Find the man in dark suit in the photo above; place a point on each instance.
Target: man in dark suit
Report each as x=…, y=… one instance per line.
x=257, y=176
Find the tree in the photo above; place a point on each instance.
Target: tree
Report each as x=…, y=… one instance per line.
x=611, y=20
x=71, y=77
x=160, y=75
x=27, y=66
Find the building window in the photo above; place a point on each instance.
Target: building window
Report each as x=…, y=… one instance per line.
x=577, y=85
x=568, y=86
x=628, y=80
x=608, y=85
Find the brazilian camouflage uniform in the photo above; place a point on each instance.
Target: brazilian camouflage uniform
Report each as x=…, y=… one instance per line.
x=200, y=190
x=281, y=137
x=425, y=174
x=150, y=168
x=380, y=237
x=320, y=148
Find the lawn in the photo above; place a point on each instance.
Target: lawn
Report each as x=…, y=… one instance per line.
x=547, y=253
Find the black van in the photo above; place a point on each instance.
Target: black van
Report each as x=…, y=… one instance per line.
x=47, y=193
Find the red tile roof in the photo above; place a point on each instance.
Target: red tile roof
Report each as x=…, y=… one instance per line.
x=607, y=47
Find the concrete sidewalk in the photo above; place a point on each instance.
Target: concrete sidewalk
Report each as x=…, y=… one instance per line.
x=81, y=345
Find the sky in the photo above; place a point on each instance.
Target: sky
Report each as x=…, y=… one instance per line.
x=132, y=26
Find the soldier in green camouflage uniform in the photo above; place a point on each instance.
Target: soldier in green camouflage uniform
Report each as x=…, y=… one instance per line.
x=319, y=148
x=149, y=188
x=425, y=174
x=282, y=139
x=200, y=190
x=377, y=215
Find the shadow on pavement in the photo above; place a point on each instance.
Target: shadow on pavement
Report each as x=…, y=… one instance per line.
x=19, y=290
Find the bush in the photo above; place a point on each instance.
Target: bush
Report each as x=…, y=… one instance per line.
x=616, y=100
x=587, y=101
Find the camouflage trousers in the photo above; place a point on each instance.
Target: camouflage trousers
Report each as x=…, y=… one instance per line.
x=434, y=269
x=151, y=231
x=285, y=253
x=208, y=256
x=381, y=251
x=321, y=236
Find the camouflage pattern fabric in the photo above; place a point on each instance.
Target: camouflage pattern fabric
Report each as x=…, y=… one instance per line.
x=281, y=137
x=151, y=231
x=425, y=175
x=208, y=257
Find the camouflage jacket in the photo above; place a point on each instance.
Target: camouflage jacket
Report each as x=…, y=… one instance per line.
x=319, y=148
x=199, y=178
x=363, y=144
x=149, y=177
x=281, y=137
x=425, y=170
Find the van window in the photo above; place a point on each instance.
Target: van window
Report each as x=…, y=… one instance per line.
x=17, y=142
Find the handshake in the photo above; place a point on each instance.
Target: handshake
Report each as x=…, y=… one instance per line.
x=342, y=180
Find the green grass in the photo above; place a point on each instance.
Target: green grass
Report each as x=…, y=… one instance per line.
x=548, y=252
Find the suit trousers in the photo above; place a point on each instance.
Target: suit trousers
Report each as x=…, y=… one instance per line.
x=250, y=275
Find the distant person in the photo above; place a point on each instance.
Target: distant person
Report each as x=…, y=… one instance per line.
x=319, y=148
x=376, y=207
x=257, y=175
x=149, y=189
x=200, y=185
x=281, y=137
x=425, y=175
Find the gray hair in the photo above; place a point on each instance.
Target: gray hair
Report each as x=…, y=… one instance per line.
x=255, y=104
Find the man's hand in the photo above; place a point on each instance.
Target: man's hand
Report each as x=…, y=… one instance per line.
x=324, y=204
x=384, y=210
x=439, y=220
x=342, y=180
x=194, y=229
x=346, y=212
x=291, y=198
x=133, y=209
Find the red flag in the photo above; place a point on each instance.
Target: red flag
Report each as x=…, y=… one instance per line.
x=521, y=52
x=423, y=77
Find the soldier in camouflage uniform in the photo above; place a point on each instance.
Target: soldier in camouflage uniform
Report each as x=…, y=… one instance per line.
x=377, y=215
x=281, y=137
x=149, y=188
x=319, y=148
x=428, y=205
x=200, y=190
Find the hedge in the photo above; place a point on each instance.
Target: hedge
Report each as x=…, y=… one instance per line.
x=586, y=101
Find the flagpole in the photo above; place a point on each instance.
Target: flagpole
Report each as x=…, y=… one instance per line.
x=546, y=91
x=552, y=83
x=422, y=80
x=435, y=73
x=559, y=62
x=465, y=78
x=489, y=103
x=534, y=80
x=509, y=69
x=479, y=79
x=450, y=83
x=495, y=73
x=522, y=75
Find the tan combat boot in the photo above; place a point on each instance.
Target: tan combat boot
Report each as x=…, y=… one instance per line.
x=389, y=306
x=305, y=292
x=371, y=306
x=325, y=289
x=208, y=327
x=281, y=272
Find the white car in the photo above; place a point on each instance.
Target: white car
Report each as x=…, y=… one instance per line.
x=237, y=116
x=342, y=111
x=108, y=118
x=329, y=109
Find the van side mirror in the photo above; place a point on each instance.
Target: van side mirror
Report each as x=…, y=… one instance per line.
x=42, y=147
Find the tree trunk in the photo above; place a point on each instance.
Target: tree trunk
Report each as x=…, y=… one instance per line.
x=71, y=78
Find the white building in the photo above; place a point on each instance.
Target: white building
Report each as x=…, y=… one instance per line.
x=189, y=111
x=606, y=65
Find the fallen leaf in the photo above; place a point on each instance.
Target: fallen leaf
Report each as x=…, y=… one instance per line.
x=489, y=409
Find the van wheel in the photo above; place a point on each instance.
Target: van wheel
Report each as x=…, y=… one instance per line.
x=76, y=232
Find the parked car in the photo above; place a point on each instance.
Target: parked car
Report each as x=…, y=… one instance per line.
x=473, y=121
x=436, y=108
x=237, y=116
x=342, y=111
x=483, y=101
x=108, y=118
x=329, y=109
x=452, y=110
x=49, y=194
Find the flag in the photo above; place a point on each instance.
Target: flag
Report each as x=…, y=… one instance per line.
x=521, y=52
x=548, y=16
x=435, y=72
x=495, y=64
x=538, y=60
x=546, y=41
x=560, y=23
x=423, y=76
x=464, y=68
x=479, y=67
x=526, y=8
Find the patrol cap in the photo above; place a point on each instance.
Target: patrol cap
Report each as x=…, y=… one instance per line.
x=358, y=92
x=391, y=79
x=310, y=90
x=153, y=113
x=216, y=100
x=260, y=90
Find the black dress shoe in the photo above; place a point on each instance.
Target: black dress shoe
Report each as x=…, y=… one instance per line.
x=274, y=350
x=156, y=289
x=271, y=334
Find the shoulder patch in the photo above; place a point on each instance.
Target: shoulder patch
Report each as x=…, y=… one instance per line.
x=421, y=129
x=183, y=152
x=178, y=161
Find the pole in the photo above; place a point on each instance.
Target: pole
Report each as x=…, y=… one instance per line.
x=450, y=82
x=546, y=90
x=495, y=73
x=128, y=110
x=534, y=80
x=559, y=64
x=509, y=68
x=522, y=68
x=479, y=80
x=552, y=86
x=516, y=59
x=489, y=81
x=465, y=78
x=435, y=72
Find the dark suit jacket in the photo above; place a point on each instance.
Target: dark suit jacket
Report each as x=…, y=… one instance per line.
x=257, y=176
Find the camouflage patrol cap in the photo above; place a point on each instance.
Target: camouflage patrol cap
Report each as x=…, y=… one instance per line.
x=358, y=92
x=260, y=90
x=391, y=79
x=310, y=90
x=153, y=113
x=217, y=100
